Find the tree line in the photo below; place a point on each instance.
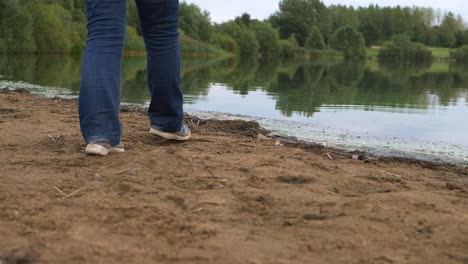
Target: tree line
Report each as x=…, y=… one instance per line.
x=297, y=27
x=41, y=25
x=311, y=27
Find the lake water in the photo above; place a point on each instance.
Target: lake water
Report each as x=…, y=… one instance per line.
x=404, y=110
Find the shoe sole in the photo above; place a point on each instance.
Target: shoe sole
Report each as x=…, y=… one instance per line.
x=98, y=150
x=169, y=136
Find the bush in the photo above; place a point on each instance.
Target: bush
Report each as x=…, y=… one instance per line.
x=350, y=41
x=421, y=52
x=189, y=45
x=301, y=52
x=288, y=47
x=182, y=33
x=248, y=44
x=330, y=53
x=226, y=43
x=402, y=49
x=195, y=22
x=460, y=54
x=315, y=39
x=245, y=37
x=77, y=49
x=52, y=25
x=268, y=39
x=133, y=42
x=16, y=28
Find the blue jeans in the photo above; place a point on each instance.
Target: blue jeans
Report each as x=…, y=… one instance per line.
x=99, y=101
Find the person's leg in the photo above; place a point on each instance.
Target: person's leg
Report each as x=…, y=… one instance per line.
x=99, y=101
x=159, y=25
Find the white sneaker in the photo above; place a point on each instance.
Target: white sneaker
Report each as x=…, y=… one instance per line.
x=182, y=135
x=103, y=148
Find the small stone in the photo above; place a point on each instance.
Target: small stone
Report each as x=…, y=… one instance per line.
x=262, y=137
x=98, y=177
x=355, y=157
x=133, y=172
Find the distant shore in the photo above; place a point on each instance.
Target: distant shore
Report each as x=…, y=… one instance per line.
x=439, y=54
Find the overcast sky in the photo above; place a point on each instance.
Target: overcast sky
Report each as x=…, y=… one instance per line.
x=223, y=10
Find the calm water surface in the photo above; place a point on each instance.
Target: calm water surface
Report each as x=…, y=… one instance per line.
x=399, y=109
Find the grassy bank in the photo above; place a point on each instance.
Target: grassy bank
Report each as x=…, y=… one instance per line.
x=191, y=46
x=134, y=45
x=441, y=53
x=325, y=53
x=373, y=52
x=437, y=53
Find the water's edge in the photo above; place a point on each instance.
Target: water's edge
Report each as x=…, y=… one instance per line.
x=452, y=154
x=456, y=155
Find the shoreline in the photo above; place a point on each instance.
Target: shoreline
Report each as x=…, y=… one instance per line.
x=402, y=156
x=229, y=195
x=373, y=153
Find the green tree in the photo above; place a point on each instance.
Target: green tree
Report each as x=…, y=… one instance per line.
x=245, y=19
x=52, y=25
x=349, y=41
x=195, y=22
x=315, y=39
x=448, y=29
x=24, y=41
x=343, y=16
x=402, y=49
x=245, y=37
x=132, y=16
x=461, y=54
x=16, y=28
x=267, y=38
x=225, y=42
x=298, y=17
x=422, y=24
x=462, y=38
x=288, y=47
x=371, y=24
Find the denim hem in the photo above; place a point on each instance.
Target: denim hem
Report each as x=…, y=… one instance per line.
x=89, y=140
x=167, y=130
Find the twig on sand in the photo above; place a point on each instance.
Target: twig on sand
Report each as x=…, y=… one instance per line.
x=76, y=172
x=340, y=154
x=253, y=186
x=328, y=155
x=124, y=171
x=59, y=191
x=278, y=143
x=55, y=138
x=391, y=173
x=198, y=210
x=74, y=192
x=192, y=124
x=246, y=145
x=262, y=137
x=67, y=195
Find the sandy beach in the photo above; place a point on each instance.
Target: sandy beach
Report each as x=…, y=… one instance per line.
x=229, y=195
